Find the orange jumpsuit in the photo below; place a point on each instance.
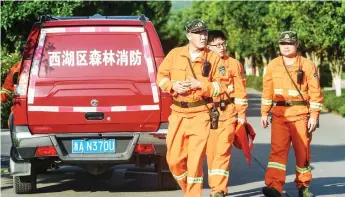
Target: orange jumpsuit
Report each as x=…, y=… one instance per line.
x=220, y=141
x=289, y=123
x=188, y=127
x=8, y=86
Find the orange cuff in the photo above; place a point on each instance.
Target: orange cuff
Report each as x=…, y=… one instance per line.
x=315, y=115
x=264, y=113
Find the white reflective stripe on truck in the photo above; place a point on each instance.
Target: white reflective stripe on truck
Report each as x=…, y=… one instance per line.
x=34, y=69
x=93, y=109
x=150, y=67
x=95, y=29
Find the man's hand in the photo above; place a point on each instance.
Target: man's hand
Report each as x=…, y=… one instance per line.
x=241, y=120
x=194, y=83
x=311, y=125
x=264, y=121
x=180, y=87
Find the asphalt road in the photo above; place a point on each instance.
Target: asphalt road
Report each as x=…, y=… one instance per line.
x=328, y=164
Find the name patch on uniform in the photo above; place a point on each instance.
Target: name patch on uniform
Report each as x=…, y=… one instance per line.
x=222, y=70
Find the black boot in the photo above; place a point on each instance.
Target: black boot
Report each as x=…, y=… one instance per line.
x=305, y=192
x=218, y=194
x=271, y=192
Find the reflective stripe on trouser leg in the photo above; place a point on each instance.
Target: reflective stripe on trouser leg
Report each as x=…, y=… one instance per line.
x=197, y=132
x=280, y=143
x=177, y=150
x=219, y=171
x=301, y=145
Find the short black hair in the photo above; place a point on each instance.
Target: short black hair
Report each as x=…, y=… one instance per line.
x=215, y=34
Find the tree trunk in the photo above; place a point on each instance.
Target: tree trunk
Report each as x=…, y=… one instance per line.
x=265, y=61
x=337, y=85
x=308, y=55
x=315, y=58
x=336, y=68
x=237, y=56
x=248, y=65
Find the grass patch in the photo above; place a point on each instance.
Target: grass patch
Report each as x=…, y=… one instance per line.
x=334, y=103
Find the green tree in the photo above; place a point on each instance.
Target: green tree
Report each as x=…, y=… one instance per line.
x=333, y=22
x=17, y=19
x=243, y=22
x=322, y=29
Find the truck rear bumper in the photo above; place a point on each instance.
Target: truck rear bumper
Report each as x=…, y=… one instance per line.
x=26, y=144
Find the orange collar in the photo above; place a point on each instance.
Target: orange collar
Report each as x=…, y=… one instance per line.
x=201, y=58
x=295, y=64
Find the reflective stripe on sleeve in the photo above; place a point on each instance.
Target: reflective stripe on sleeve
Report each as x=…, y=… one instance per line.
x=315, y=105
x=161, y=83
x=266, y=102
x=241, y=101
x=216, y=89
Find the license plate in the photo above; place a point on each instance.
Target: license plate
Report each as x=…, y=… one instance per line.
x=93, y=146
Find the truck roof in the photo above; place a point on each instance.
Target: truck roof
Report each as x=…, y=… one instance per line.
x=55, y=21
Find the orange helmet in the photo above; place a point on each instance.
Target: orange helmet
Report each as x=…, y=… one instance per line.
x=244, y=138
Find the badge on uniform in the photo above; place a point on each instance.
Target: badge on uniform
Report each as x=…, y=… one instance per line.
x=315, y=75
x=222, y=70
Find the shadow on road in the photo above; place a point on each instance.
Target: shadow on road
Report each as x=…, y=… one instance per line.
x=74, y=178
x=144, y=179
x=319, y=186
x=325, y=186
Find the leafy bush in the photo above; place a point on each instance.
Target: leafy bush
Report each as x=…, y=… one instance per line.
x=254, y=82
x=334, y=103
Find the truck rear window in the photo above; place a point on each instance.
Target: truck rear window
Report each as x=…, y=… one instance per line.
x=96, y=54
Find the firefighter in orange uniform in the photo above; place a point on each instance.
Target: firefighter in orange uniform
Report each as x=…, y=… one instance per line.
x=8, y=87
x=189, y=122
x=291, y=88
x=220, y=141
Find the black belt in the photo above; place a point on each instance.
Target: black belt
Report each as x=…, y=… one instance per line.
x=290, y=103
x=192, y=104
x=227, y=102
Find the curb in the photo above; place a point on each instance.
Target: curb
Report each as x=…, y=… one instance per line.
x=253, y=91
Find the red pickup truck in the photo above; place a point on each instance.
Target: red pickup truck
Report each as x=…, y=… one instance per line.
x=86, y=96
